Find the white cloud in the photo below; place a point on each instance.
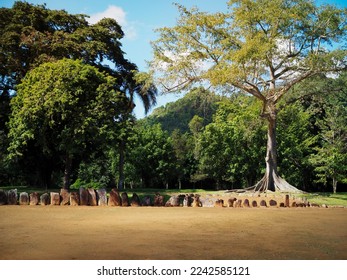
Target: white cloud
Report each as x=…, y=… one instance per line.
x=119, y=15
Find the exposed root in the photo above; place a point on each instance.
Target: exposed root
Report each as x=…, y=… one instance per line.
x=278, y=184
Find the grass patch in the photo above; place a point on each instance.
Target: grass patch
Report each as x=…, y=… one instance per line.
x=338, y=199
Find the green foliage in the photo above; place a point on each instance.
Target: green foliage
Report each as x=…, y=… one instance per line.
x=152, y=155
x=330, y=158
x=228, y=148
x=177, y=115
x=66, y=108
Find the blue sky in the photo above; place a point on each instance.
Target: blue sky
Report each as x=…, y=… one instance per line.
x=138, y=19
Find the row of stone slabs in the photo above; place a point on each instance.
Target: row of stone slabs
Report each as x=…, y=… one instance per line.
x=82, y=197
x=98, y=197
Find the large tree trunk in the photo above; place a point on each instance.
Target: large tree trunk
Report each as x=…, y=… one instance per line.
x=271, y=180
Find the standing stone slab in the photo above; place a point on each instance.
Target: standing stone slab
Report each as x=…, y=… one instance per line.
x=44, y=199
x=273, y=203
x=286, y=202
x=187, y=200
x=146, y=201
x=263, y=203
x=34, y=198
x=23, y=198
x=238, y=203
x=74, y=199
x=92, y=201
x=135, y=200
x=114, y=199
x=231, y=201
x=102, y=197
x=12, y=197
x=65, y=197
x=55, y=198
x=246, y=203
x=3, y=197
x=219, y=203
x=196, y=201
x=84, y=196
x=125, y=199
x=174, y=201
x=158, y=200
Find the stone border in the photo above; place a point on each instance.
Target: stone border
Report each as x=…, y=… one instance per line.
x=91, y=197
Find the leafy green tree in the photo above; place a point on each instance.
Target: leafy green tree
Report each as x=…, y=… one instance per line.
x=65, y=107
x=228, y=148
x=262, y=47
x=296, y=144
x=153, y=156
x=330, y=159
x=32, y=34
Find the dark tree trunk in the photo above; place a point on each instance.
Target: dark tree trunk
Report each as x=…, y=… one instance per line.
x=121, y=165
x=67, y=171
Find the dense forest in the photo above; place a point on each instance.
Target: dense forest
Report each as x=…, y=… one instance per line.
x=66, y=118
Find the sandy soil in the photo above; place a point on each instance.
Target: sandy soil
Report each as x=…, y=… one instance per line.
x=67, y=232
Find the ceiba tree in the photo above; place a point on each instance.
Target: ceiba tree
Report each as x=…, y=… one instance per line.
x=261, y=47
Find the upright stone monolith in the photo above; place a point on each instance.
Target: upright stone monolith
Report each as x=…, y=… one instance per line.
x=92, y=197
x=44, y=199
x=84, y=196
x=102, y=197
x=65, y=197
x=3, y=197
x=23, y=198
x=34, y=198
x=12, y=197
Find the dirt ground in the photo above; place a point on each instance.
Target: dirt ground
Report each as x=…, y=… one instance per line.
x=85, y=232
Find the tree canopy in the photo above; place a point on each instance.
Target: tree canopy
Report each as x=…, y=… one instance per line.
x=262, y=47
x=66, y=107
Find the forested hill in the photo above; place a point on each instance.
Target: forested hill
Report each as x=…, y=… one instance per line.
x=179, y=114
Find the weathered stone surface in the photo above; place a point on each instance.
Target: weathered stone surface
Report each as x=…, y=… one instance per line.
x=146, y=201
x=293, y=204
x=246, y=203
x=74, y=198
x=44, y=199
x=102, y=197
x=196, y=201
x=125, y=199
x=207, y=202
x=158, y=200
x=114, y=199
x=3, y=197
x=263, y=203
x=231, y=201
x=135, y=200
x=34, y=198
x=174, y=201
x=273, y=203
x=84, y=196
x=23, y=198
x=286, y=201
x=238, y=203
x=254, y=203
x=65, y=197
x=92, y=201
x=55, y=198
x=12, y=197
x=314, y=205
x=219, y=203
x=187, y=200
